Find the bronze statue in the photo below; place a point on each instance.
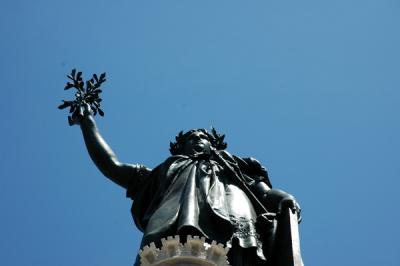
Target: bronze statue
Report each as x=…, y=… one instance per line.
x=200, y=190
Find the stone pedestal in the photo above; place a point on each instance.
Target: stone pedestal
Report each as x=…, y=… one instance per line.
x=195, y=252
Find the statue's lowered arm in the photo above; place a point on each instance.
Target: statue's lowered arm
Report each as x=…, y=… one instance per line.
x=274, y=200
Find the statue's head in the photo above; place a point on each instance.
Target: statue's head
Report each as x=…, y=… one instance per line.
x=197, y=141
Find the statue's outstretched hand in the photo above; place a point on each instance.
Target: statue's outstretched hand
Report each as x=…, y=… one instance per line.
x=82, y=112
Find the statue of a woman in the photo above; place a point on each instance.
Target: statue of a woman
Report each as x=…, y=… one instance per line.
x=200, y=190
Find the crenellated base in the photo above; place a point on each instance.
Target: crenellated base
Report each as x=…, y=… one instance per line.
x=195, y=252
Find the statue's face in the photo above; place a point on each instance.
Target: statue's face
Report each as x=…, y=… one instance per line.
x=197, y=142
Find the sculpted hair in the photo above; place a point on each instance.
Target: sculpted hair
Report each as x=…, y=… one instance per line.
x=216, y=140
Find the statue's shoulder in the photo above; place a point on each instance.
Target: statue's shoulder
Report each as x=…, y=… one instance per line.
x=164, y=167
x=171, y=160
x=253, y=168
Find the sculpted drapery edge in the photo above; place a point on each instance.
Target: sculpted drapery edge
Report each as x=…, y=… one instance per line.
x=218, y=204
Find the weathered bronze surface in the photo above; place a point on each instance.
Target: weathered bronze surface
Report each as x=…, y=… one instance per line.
x=203, y=190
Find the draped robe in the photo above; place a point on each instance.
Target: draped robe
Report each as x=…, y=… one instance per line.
x=198, y=195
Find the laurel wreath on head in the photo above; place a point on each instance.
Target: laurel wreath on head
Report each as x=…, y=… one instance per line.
x=216, y=139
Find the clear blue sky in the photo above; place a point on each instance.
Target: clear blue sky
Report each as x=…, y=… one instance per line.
x=310, y=88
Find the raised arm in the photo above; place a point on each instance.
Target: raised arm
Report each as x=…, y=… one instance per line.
x=103, y=156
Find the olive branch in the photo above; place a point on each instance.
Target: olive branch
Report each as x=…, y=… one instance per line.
x=87, y=93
